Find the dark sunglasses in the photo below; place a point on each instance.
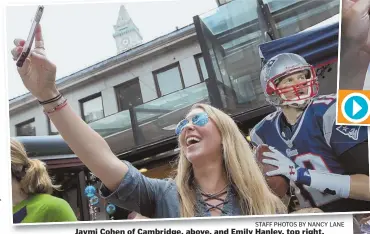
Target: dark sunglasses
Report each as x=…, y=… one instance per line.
x=200, y=120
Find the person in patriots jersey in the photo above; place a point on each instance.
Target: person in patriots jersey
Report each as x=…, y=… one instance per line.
x=326, y=164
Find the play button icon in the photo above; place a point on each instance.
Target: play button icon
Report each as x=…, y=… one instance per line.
x=355, y=107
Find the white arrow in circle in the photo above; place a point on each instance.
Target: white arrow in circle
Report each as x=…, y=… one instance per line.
x=356, y=108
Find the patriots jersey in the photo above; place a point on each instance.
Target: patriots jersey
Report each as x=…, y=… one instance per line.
x=314, y=142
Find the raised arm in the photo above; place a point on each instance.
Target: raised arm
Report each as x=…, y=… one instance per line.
x=355, y=44
x=38, y=75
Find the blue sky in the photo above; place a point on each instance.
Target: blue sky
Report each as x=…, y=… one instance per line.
x=79, y=35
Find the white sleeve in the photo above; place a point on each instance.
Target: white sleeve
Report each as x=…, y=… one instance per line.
x=255, y=139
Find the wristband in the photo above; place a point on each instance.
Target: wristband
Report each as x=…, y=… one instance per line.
x=328, y=183
x=303, y=176
x=331, y=183
x=57, y=108
x=51, y=100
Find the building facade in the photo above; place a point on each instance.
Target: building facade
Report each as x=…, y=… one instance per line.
x=143, y=74
x=126, y=34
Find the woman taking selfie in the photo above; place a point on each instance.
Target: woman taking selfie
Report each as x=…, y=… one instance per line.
x=216, y=173
x=31, y=189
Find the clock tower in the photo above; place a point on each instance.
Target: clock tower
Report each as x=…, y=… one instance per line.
x=126, y=34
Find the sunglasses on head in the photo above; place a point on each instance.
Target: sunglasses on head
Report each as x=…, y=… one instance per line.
x=200, y=120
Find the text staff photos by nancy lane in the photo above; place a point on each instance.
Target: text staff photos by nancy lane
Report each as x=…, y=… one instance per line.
x=208, y=109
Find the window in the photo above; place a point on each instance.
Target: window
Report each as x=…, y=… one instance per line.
x=201, y=65
x=26, y=128
x=52, y=128
x=92, y=108
x=128, y=93
x=168, y=79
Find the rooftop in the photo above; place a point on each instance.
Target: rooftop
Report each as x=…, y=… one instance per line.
x=114, y=60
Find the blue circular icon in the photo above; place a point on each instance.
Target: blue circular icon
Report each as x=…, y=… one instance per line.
x=355, y=107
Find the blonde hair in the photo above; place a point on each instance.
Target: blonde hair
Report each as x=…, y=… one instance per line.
x=307, y=210
x=30, y=173
x=254, y=195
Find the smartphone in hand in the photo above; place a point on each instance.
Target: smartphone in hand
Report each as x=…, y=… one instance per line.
x=31, y=36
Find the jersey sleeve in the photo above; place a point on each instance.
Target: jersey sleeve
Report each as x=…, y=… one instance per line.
x=356, y=159
x=339, y=137
x=137, y=192
x=345, y=137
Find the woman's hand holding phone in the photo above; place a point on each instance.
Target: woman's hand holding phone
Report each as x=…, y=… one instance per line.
x=37, y=73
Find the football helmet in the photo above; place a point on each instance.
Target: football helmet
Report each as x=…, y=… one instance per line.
x=281, y=66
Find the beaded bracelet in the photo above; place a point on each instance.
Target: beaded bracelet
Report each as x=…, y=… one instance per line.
x=57, y=108
x=51, y=100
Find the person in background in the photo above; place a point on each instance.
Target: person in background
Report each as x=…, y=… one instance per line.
x=31, y=191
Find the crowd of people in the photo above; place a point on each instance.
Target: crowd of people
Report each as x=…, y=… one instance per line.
x=217, y=173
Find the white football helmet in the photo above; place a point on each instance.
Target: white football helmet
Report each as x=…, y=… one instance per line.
x=281, y=66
